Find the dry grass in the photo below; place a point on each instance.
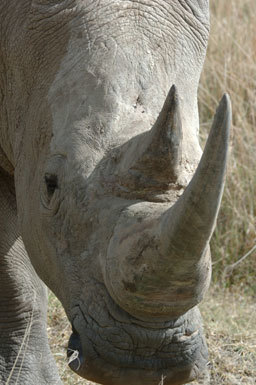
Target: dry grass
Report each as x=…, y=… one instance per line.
x=229, y=315
x=229, y=318
x=231, y=67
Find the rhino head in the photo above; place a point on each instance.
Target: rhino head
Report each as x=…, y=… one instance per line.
x=116, y=204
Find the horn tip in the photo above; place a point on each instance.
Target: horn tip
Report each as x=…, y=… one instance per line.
x=225, y=106
x=173, y=93
x=226, y=102
x=172, y=100
x=222, y=121
x=173, y=88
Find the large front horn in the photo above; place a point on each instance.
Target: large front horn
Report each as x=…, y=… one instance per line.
x=158, y=262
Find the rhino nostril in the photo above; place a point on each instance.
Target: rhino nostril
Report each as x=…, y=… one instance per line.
x=74, y=351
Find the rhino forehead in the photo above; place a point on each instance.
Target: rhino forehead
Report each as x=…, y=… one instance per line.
x=125, y=32
x=117, y=54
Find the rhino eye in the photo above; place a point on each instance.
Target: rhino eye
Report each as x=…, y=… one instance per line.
x=51, y=182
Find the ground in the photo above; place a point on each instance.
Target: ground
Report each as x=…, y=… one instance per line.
x=229, y=318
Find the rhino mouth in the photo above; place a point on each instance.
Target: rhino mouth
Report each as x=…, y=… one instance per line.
x=125, y=353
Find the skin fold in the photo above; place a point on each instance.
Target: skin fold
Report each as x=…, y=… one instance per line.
x=96, y=153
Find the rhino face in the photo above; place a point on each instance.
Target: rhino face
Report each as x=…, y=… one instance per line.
x=116, y=229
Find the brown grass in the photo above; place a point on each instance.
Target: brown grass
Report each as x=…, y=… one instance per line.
x=229, y=318
x=231, y=67
x=229, y=314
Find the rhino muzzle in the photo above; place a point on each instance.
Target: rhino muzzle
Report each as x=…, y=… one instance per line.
x=111, y=356
x=158, y=259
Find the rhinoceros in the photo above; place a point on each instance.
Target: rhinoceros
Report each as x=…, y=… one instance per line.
x=105, y=196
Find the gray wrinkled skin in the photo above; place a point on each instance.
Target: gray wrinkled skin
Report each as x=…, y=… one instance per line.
x=79, y=80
